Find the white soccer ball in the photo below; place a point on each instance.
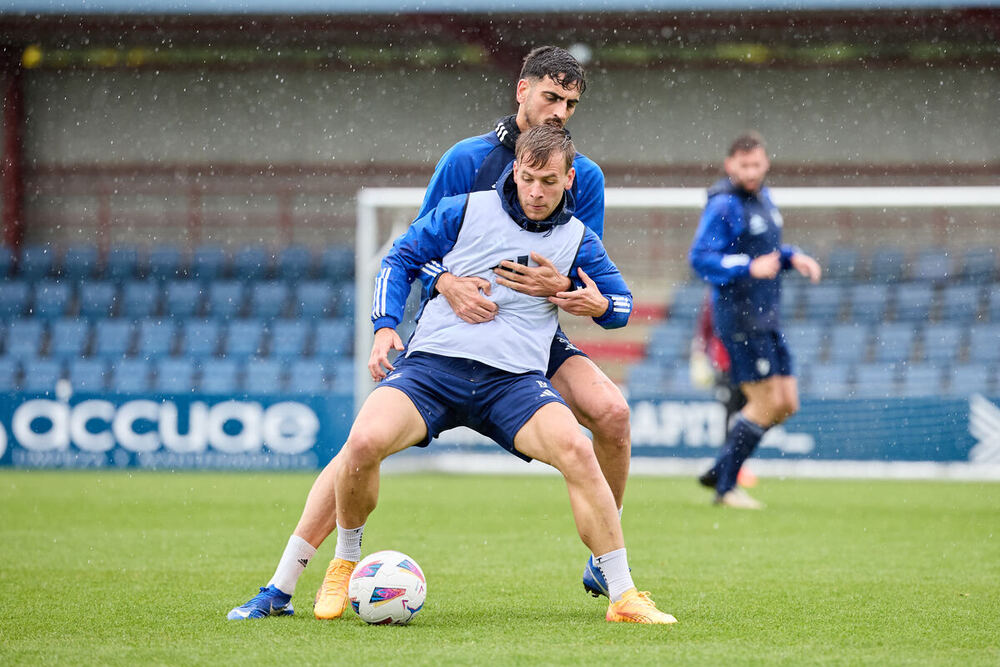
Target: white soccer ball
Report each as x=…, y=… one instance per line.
x=387, y=587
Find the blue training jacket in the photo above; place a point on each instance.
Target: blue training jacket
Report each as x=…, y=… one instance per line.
x=736, y=227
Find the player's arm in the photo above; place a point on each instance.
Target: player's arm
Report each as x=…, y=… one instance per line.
x=590, y=195
x=792, y=257
x=602, y=292
x=711, y=255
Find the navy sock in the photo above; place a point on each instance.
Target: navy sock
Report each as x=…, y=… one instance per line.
x=741, y=442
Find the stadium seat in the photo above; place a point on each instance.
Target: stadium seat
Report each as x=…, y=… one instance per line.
x=97, y=298
x=984, y=343
x=79, y=263
x=877, y=380
x=13, y=298
x=131, y=376
x=337, y=263
x=932, y=265
x=88, y=375
x=306, y=376
x=112, y=338
x=679, y=383
x=156, y=338
x=913, y=301
x=993, y=303
x=868, y=302
x=848, y=343
x=959, y=303
x=647, y=380
x=289, y=338
x=68, y=338
x=334, y=338
x=687, y=301
x=262, y=376
x=174, y=376
x=921, y=380
x=6, y=261
x=805, y=342
x=294, y=263
x=225, y=299
x=822, y=303
x=218, y=376
x=979, y=265
x=967, y=379
x=8, y=374
x=208, y=262
x=165, y=263
x=344, y=299
x=183, y=298
x=942, y=342
x=268, y=299
x=200, y=338
x=140, y=298
x=827, y=381
x=52, y=299
x=341, y=373
x=40, y=375
x=121, y=264
x=893, y=342
x=243, y=339
x=886, y=265
x=252, y=263
x=791, y=298
x=843, y=264
x=36, y=262
x=24, y=338
x=669, y=341
x=315, y=299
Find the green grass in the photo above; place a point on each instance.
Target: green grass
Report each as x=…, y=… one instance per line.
x=118, y=568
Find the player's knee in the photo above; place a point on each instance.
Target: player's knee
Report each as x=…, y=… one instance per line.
x=612, y=421
x=363, y=447
x=575, y=456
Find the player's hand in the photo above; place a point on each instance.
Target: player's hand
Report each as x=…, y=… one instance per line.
x=807, y=266
x=588, y=302
x=541, y=280
x=385, y=339
x=766, y=267
x=465, y=296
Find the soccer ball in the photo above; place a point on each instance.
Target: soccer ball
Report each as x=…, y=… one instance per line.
x=387, y=587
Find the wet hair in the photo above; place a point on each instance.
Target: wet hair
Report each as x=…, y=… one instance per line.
x=540, y=143
x=557, y=64
x=746, y=142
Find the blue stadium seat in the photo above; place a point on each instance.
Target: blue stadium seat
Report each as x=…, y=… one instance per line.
x=932, y=265
x=894, y=342
x=913, y=301
x=244, y=339
x=668, y=341
x=79, y=263
x=921, y=380
x=294, y=263
x=869, y=302
x=121, y=264
x=131, y=376
x=98, y=298
x=876, y=380
x=68, y=338
x=52, y=299
x=979, y=265
x=345, y=300
x=973, y=378
x=13, y=298
x=156, y=338
x=6, y=261
x=993, y=303
x=140, y=298
x=289, y=338
x=112, y=338
x=984, y=343
x=40, y=375
x=942, y=342
x=341, y=373
x=827, y=381
x=334, y=338
x=337, y=263
x=200, y=338
x=88, y=375
x=647, y=380
x=687, y=301
x=174, y=376
x=822, y=303
x=36, y=262
x=315, y=299
x=8, y=374
x=960, y=303
x=843, y=264
x=791, y=298
x=208, y=262
x=183, y=298
x=306, y=376
x=218, y=376
x=849, y=343
x=268, y=299
x=679, y=382
x=24, y=338
x=805, y=342
x=252, y=263
x=165, y=262
x=887, y=265
x=262, y=376
x=225, y=299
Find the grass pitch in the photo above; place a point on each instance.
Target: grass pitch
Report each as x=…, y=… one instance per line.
x=118, y=568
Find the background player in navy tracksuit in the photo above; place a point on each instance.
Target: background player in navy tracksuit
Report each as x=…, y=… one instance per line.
x=549, y=88
x=738, y=250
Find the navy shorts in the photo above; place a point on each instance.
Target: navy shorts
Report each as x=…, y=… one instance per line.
x=561, y=350
x=756, y=356
x=450, y=392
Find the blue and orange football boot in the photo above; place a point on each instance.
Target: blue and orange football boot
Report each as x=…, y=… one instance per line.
x=593, y=579
x=636, y=607
x=269, y=602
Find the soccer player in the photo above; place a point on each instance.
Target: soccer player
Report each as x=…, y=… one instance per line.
x=548, y=91
x=488, y=376
x=738, y=249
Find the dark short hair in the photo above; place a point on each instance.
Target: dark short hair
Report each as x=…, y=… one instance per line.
x=557, y=64
x=540, y=143
x=746, y=142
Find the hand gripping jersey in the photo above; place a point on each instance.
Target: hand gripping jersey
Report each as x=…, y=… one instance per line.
x=472, y=234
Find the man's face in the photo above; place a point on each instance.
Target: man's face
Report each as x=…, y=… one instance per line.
x=747, y=169
x=539, y=190
x=544, y=101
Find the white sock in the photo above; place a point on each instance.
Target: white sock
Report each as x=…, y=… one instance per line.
x=620, y=510
x=349, y=543
x=293, y=562
x=614, y=567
